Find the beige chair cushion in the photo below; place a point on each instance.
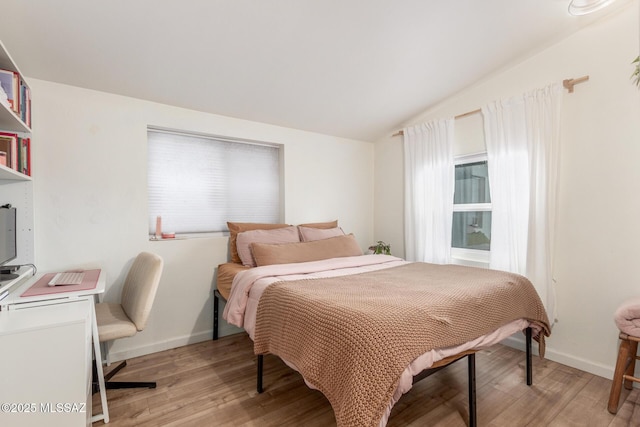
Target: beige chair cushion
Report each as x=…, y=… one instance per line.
x=138, y=292
x=113, y=323
x=140, y=288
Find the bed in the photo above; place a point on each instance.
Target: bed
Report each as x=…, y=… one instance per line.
x=361, y=328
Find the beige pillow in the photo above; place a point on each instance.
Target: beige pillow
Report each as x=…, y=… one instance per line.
x=328, y=224
x=278, y=235
x=309, y=234
x=239, y=227
x=334, y=247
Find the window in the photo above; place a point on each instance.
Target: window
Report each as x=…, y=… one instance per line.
x=196, y=183
x=471, y=234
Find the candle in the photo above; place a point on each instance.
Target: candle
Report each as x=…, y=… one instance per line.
x=158, y=227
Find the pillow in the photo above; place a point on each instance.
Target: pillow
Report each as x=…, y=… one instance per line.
x=278, y=235
x=309, y=234
x=239, y=227
x=329, y=224
x=334, y=247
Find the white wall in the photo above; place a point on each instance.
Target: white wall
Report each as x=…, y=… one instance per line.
x=597, y=233
x=90, y=197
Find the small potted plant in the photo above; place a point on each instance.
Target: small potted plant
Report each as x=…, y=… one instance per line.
x=636, y=72
x=380, y=248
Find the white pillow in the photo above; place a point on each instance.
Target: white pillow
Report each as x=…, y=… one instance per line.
x=278, y=235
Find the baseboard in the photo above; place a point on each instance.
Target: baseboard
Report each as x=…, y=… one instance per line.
x=563, y=358
x=224, y=330
x=130, y=353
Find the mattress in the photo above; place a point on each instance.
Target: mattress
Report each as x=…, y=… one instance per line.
x=226, y=273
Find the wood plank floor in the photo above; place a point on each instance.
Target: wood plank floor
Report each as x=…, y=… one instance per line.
x=213, y=384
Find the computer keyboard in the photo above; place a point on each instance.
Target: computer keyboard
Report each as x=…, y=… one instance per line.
x=67, y=278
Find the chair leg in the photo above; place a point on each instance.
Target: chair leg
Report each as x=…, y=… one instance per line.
x=115, y=370
x=631, y=366
x=128, y=384
x=110, y=385
x=621, y=368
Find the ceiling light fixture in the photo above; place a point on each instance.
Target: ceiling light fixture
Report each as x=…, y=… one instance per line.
x=584, y=7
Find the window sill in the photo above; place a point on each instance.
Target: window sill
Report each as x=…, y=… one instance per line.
x=469, y=263
x=470, y=257
x=186, y=236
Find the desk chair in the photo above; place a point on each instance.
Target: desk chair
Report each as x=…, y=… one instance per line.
x=627, y=319
x=125, y=319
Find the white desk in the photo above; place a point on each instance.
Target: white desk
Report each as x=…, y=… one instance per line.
x=14, y=302
x=46, y=365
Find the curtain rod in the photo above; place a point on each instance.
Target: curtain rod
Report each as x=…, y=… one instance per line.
x=459, y=116
x=567, y=83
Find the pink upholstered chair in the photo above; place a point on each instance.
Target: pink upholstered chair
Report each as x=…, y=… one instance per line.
x=130, y=315
x=627, y=318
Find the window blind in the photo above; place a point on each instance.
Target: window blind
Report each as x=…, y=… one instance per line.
x=197, y=183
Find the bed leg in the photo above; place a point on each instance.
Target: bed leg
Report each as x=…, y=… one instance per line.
x=471, y=359
x=215, y=315
x=529, y=361
x=260, y=363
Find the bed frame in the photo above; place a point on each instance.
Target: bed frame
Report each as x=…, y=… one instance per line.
x=469, y=354
x=441, y=364
x=217, y=296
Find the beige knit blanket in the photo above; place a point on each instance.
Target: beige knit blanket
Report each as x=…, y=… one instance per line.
x=352, y=336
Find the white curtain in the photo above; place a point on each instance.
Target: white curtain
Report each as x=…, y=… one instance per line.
x=429, y=187
x=522, y=136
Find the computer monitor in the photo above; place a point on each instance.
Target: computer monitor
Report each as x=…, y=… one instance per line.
x=8, y=241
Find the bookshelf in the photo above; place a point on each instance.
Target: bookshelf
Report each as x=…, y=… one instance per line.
x=11, y=121
x=16, y=188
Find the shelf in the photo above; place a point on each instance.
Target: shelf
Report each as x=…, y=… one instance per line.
x=11, y=175
x=10, y=122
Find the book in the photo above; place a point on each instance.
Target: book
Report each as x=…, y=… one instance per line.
x=24, y=157
x=25, y=103
x=14, y=153
x=6, y=82
x=17, y=152
x=27, y=107
x=5, y=147
x=9, y=145
x=9, y=80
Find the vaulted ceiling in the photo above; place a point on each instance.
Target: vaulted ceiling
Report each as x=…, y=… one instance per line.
x=349, y=68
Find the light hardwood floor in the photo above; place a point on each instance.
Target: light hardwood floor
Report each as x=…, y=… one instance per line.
x=213, y=384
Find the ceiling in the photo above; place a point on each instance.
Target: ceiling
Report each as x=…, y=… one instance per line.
x=349, y=68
